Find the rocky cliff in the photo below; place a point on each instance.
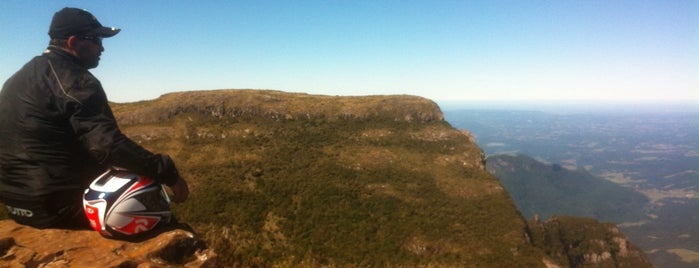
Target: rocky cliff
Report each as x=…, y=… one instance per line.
x=279, y=105
x=282, y=179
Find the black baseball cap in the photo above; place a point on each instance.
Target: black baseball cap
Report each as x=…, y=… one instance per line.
x=75, y=21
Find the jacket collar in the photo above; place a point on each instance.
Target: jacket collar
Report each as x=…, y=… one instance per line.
x=54, y=51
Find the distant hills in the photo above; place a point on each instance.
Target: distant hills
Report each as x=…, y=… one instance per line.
x=550, y=189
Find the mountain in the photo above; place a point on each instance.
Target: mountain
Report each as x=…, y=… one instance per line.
x=282, y=179
x=550, y=189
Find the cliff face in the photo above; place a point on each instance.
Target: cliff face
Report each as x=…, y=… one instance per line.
x=302, y=180
x=279, y=105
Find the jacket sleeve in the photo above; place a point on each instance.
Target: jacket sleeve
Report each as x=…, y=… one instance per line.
x=97, y=129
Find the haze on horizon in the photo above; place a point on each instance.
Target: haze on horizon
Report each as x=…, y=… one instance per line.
x=630, y=51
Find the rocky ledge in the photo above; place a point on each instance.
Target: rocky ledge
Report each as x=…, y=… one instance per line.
x=23, y=246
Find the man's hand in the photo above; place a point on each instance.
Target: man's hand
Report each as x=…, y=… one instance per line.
x=180, y=190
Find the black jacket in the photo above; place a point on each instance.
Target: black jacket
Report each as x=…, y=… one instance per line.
x=58, y=133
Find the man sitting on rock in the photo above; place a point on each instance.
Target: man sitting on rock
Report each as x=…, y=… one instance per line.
x=58, y=133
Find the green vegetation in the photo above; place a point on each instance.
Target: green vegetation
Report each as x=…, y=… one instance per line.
x=353, y=188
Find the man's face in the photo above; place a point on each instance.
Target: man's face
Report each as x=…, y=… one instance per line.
x=88, y=50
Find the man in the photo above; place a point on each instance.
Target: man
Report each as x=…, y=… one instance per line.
x=58, y=133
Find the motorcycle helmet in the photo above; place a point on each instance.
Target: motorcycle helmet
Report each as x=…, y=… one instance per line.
x=121, y=203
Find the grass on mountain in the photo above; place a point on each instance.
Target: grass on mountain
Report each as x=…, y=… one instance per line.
x=331, y=193
x=281, y=180
x=386, y=186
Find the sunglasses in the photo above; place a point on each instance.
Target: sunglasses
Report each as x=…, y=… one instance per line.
x=95, y=39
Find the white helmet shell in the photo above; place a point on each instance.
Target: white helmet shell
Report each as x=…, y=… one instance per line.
x=122, y=203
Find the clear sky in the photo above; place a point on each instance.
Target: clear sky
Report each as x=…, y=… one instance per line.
x=438, y=49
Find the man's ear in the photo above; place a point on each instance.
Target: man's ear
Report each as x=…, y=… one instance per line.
x=70, y=43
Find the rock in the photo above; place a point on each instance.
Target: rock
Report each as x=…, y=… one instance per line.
x=24, y=246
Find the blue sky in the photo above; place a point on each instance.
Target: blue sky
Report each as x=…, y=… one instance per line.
x=442, y=50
